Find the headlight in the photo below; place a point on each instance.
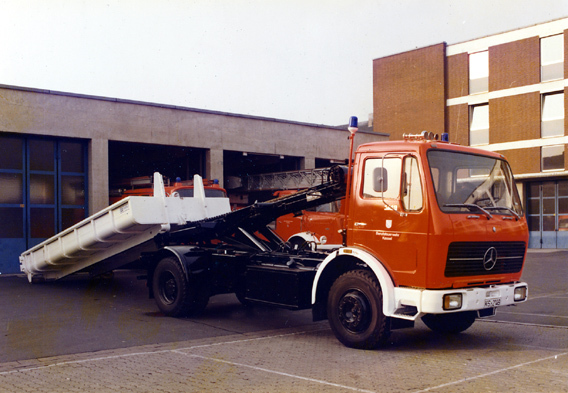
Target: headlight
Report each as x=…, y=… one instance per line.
x=520, y=294
x=453, y=301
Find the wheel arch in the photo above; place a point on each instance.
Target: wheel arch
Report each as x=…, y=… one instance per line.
x=306, y=236
x=341, y=261
x=190, y=258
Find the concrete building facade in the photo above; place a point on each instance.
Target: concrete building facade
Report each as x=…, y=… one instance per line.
x=504, y=93
x=60, y=153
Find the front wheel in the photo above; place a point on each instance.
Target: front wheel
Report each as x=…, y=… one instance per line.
x=174, y=294
x=453, y=323
x=355, y=310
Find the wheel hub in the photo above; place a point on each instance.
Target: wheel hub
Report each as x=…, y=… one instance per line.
x=354, y=311
x=169, y=288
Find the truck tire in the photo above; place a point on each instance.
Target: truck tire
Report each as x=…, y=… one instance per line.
x=355, y=310
x=174, y=294
x=450, y=323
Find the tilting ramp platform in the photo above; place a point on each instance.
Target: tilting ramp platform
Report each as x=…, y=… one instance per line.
x=122, y=226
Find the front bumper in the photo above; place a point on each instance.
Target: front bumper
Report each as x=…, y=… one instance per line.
x=428, y=301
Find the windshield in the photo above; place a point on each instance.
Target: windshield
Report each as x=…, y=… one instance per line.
x=465, y=183
x=209, y=193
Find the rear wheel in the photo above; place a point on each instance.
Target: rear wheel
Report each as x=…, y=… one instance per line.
x=453, y=323
x=174, y=294
x=355, y=310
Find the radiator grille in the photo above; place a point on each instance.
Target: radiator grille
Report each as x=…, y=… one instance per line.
x=484, y=258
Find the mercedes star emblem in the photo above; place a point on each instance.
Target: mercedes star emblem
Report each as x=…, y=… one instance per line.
x=490, y=258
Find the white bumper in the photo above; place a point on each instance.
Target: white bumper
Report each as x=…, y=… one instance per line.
x=426, y=301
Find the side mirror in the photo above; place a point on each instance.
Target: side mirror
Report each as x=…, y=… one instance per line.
x=380, y=179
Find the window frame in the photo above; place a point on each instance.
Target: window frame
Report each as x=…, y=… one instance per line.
x=542, y=158
x=479, y=72
x=367, y=178
x=552, y=57
x=485, y=131
x=418, y=186
x=551, y=116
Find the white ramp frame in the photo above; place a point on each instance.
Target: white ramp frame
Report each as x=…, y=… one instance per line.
x=117, y=228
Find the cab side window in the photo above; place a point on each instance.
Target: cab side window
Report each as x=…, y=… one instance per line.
x=382, y=178
x=412, y=199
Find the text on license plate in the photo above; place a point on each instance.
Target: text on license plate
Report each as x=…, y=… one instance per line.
x=492, y=302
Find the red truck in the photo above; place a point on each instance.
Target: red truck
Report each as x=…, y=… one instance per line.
x=431, y=230
x=318, y=228
x=143, y=186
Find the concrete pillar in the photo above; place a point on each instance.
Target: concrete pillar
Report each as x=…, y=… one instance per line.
x=214, y=165
x=308, y=163
x=98, y=175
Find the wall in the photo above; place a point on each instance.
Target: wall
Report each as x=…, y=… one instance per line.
x=514, y=64
x=409, y=92
x=514, y=118
x=98, y=120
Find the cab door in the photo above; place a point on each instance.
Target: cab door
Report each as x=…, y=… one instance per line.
x=388, y=217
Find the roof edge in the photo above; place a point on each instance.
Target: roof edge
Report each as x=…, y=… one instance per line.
x=167, y=106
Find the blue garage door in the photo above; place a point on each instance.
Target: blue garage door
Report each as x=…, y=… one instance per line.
x=43, y=186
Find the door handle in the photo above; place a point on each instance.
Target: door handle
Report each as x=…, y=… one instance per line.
x=360, y=224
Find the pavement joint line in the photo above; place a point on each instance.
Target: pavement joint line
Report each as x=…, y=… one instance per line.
x=177, y=350
x=491, y=373
x=84, y=361
x=524, y=324
x=541, y=348
x=545, y=295
x=278, y=373
x=249, y=339
x=536, y=315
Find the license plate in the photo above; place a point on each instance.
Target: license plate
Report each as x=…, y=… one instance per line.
x=492, y=302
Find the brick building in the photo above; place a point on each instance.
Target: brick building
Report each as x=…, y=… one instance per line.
x=504, y=93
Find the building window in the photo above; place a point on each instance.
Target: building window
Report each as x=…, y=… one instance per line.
x=552, y=120
x=479, y=72
x=479, y=125
x=552, y=58
x=552, y=158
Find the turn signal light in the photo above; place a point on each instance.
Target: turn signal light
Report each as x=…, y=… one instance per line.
x=453, y=301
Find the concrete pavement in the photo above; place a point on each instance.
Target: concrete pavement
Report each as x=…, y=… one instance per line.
x=523, y=349
x=490, y=357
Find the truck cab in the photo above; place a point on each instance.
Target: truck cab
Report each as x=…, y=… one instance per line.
x=437, y=215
